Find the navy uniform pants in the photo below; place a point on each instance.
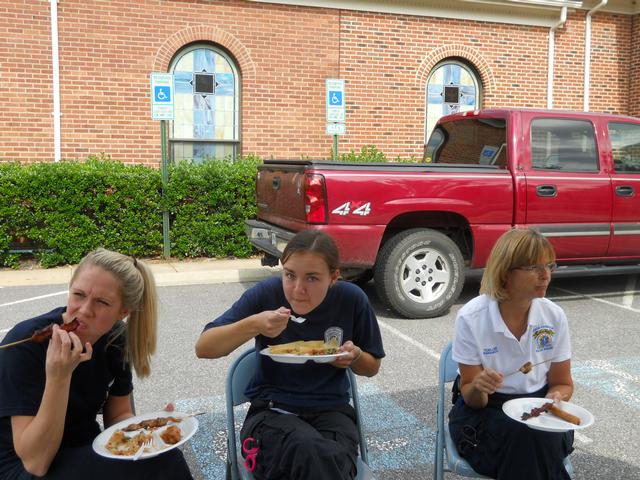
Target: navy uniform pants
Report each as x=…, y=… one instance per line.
x=304, y=445
x=82, y=463
x=498, y=447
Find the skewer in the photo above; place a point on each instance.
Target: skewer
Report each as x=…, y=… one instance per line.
x=530, y=367
x=15, y=343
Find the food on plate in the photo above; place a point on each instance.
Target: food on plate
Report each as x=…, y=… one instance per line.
x=151, y=424
x=526, y=368
x=566, y=416
x=120, y=444
x=302, y=347
x=551, y=408
x=171, y=435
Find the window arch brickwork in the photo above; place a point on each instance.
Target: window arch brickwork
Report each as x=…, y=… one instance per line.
x=461, y=51
x=200, y=33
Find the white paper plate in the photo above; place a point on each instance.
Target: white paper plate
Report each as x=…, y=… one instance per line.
x=293, y=358
x=188, y=426
x=547, y=421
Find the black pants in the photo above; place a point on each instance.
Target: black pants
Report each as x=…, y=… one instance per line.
x=83, y=463
x=498, y=447
x=308, y=445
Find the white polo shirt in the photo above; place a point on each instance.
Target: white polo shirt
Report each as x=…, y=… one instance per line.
x=482, y=338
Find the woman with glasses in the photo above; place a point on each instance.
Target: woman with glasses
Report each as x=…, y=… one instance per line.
x=496, y=333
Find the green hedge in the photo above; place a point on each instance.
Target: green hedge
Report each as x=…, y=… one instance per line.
x=63, y=210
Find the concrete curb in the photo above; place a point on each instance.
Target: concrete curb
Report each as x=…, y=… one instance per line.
x=206, y=271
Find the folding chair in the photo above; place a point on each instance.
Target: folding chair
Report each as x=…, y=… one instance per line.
x=447, y=373
x=238, y=377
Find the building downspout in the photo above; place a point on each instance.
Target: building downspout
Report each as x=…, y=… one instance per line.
x=587, y=53
x=55, y=63
x=552, y=46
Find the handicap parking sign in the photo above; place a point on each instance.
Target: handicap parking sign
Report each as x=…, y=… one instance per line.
x=162, y=93
x=335, y=98
x=336, y=112
x=162, y=96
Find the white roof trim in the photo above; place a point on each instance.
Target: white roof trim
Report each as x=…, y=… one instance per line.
x=519, y=12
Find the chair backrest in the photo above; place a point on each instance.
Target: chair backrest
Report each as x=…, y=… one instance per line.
x=238, y=377
x=448, y=367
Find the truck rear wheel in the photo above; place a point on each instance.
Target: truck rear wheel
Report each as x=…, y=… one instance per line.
x=419, y=273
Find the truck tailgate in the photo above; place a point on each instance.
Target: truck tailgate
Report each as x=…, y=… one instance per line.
x=279, y=191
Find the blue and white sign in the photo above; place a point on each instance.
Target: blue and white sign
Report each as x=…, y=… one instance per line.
x=336, y=111
x=162, y=88
x=336, y=129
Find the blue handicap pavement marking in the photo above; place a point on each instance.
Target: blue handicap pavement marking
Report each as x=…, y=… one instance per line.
x=162, y=93
x=395, y=437
x=616, y=377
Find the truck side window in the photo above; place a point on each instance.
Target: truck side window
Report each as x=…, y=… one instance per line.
x=625, y=146
x=563, y=144
x=472, y=141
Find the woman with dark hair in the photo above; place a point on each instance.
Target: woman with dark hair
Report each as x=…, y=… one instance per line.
x=300, y=415
x=508, y=325
x=52, y=391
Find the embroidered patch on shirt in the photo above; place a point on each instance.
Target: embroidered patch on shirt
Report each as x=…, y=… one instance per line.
x=543, y=336
x=490, y=350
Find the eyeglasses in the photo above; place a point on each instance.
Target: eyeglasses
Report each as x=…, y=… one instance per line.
x=539, y=269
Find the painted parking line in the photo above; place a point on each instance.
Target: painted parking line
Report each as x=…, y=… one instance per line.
x=409, y=340
x=627, y=299
x=15, y=302
x=395, y=437
x=596, y=299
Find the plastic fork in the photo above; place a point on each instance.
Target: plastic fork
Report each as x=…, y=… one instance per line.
x=293, y=318
x=143, y=446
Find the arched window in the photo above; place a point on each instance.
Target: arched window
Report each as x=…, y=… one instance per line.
x=452, y=87
x=206, y=105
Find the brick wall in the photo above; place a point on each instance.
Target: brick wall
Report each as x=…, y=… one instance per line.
x=610, y=66
x=108, y=49
x=26, y=125
x=634, y=74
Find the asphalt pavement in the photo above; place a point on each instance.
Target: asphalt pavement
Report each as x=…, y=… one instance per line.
x=399, y=402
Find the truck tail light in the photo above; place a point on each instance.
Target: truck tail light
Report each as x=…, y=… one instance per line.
x=315, y=203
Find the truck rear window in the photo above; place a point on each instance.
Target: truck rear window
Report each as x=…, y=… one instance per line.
x=473, y=141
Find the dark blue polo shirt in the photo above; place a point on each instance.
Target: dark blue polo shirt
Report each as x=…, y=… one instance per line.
x=22, y=381
x=311, y=384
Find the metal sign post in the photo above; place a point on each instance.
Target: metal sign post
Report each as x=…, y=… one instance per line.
x=162, y=108
x=336, y=111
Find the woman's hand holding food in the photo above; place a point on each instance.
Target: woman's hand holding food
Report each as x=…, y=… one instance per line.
x=64, y=353
x=487, y=381
x=271, y=323
x=353, y=355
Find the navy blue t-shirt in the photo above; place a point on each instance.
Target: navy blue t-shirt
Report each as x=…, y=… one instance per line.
x=311, y=384
x=22, y=381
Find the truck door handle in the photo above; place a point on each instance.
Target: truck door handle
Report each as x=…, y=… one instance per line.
x=275, y=183
x=624, y=191
x=546, y=190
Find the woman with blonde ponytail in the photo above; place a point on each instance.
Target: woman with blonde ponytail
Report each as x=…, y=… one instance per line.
x=51, y=392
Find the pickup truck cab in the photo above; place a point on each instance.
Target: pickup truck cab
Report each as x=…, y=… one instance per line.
x=418, y=228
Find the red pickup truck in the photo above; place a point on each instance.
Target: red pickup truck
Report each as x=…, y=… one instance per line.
x=418, y=228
